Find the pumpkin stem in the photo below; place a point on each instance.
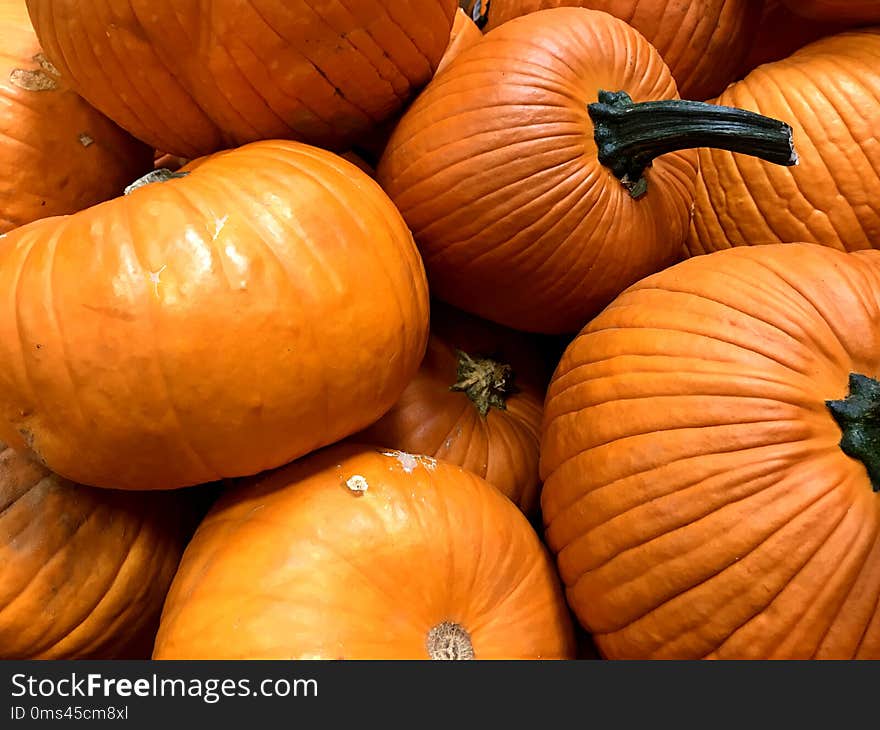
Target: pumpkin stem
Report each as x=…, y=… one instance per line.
x=486, y=382
x=629, y=135
x=449, y=640
x=163, y=174
x=858, y=416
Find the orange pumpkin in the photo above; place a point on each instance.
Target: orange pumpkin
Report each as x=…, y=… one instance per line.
x=475, y=402
x=711, y=464
x=191, y=77
x=702, y=41
x=829, y=92
x=83, y=572
x=356, y=554
x=464, y=34
x=58, y=154
x=269, y=302
x=521, y=216
x=857, y=11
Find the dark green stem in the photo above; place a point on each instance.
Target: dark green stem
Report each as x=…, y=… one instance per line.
x=858, y=416
x=485, y=381
x=629, y=136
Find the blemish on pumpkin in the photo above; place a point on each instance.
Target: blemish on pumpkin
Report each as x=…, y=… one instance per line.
x=46, y=64
x=85, y=140
x=219, y=223
x=27, y=438
x=32, y=80
x=357, y=484
x=154, y=277
x=410, y=461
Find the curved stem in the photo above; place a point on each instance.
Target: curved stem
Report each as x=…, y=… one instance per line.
x=858, y=416
x=629, y=136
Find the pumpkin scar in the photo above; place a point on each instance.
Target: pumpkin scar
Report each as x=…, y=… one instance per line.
x=219, y=223
x=357, y=484
x=154, y=278
x=410, y=462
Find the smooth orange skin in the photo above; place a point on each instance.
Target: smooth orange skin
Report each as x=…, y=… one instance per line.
x=502, y=447
x=695, y=492
x=294, y=565
x=269, y=303
x=859, y=11
x=194, y=76
x=58, y=154
x=702, y=41
x=83, y=572
x=495, y=169
x=829, y=92
x=781, y=32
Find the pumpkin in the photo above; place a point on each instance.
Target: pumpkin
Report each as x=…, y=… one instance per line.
x=521, y=216
x=780, y=33
x=58, y=154
x=84, y=571
x=856, y=11
x=464, y=34
x=829, y=92
x=191, y=77
x=476, y=401
x=710, y=460
x=227, y=321
x=352, y=553
x=702, y=41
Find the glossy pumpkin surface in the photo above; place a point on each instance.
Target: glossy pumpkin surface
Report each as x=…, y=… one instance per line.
x=269, y=302
x=354, y=553
x=194, y=76
x=697, y=492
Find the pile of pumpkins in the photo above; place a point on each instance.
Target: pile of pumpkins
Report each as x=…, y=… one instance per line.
x=531, y=329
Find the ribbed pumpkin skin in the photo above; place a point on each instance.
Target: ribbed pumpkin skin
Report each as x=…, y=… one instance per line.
x=269, y=303
x=495, y=169
x=829, y=92
x=859, y=11
x=502, y=447
x=702, y=41
x=295, y=565
x=694, y=488
x=58, y=154
x=83, y=572
x=194, y=76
